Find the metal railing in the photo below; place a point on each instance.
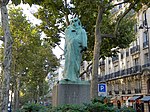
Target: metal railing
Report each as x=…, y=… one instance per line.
x=145, y=44
x=135, y=49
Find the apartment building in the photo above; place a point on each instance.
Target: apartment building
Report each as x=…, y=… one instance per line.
x=127, y=75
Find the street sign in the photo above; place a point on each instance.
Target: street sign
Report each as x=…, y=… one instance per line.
x=102, y=90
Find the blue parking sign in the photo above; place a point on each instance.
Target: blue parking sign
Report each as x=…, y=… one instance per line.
x=101, y=87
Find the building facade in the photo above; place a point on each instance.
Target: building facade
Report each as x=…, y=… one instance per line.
x=127, y=75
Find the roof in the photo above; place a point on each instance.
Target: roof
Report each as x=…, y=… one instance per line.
x=134, y=98
x=145, y=99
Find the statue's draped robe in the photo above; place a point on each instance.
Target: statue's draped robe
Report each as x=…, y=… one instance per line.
x=75, y=42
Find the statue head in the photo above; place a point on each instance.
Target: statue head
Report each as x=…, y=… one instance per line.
x=75, y=22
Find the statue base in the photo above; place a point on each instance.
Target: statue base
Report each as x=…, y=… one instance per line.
x=67, y=92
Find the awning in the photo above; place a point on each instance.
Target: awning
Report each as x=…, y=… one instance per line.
x=134, y=98
x=145, y=99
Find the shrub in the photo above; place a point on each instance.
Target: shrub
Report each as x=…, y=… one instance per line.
x=68, y=108
x=32, y=107
x=99, y=107
x=127, y=109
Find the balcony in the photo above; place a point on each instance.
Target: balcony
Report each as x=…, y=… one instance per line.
x=107, y=77
x=129, y=92
x=137, y=90
x=117, y=74
x=123, y=92
x=135, y=49
x=123, y=72
x=145, y=44
x=115, y=58
x=116, y=92
x=128, y=71
x=112, y=75
x=101, y=78
x=102, y=63
x=136, y=69
x=146, y=65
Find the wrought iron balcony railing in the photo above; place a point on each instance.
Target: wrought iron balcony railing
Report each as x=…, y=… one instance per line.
x=145, y=44
x=146, y=65
x=135, y=49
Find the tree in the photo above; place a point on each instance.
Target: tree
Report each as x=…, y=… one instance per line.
x=7, y=50
x=7, y=55
x=29, y=56
x=102, y=33
x=96, y=17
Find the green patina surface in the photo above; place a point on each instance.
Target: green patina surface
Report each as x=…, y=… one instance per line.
x=75, y=44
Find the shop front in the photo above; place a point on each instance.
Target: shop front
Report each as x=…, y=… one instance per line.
x=146, y=102
x=136, y=103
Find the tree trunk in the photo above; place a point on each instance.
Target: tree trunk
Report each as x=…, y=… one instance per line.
x=16, y=94
x=98, y=39
x=7, y=55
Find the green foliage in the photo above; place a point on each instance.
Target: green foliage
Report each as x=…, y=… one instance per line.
x=53, y=24
x=32, y=107
x=68, y=108
x=96, y=105
x=30, y=2
x=29, y=56
x=91, y=107
x=127, y=109
x=51, y=13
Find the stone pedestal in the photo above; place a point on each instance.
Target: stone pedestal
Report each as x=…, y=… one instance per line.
x=70, y=94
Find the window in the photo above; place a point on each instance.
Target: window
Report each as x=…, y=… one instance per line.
x=128, y=64
x=129, y=85
x=145, y=36
x=116, y=68
x=122, y=54
x=136, y=61
x=109, y=70
x=144, y=18
x=145, y=39
x=116, y=87
x=127, y=52
x=123, y=86
x=120, y=6
x=146, y=58
x=123, y=66
x=102, y=72
x=138, y=84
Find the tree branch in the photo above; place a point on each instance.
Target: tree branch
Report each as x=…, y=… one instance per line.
x=123, y=15
x=66, y=14
x=111, y=6
x=59, y=47
x=85, y=71
x=107, y=35
x=4, y=2
x=126, y=1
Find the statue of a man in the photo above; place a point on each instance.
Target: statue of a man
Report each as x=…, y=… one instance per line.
x=75, y=44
